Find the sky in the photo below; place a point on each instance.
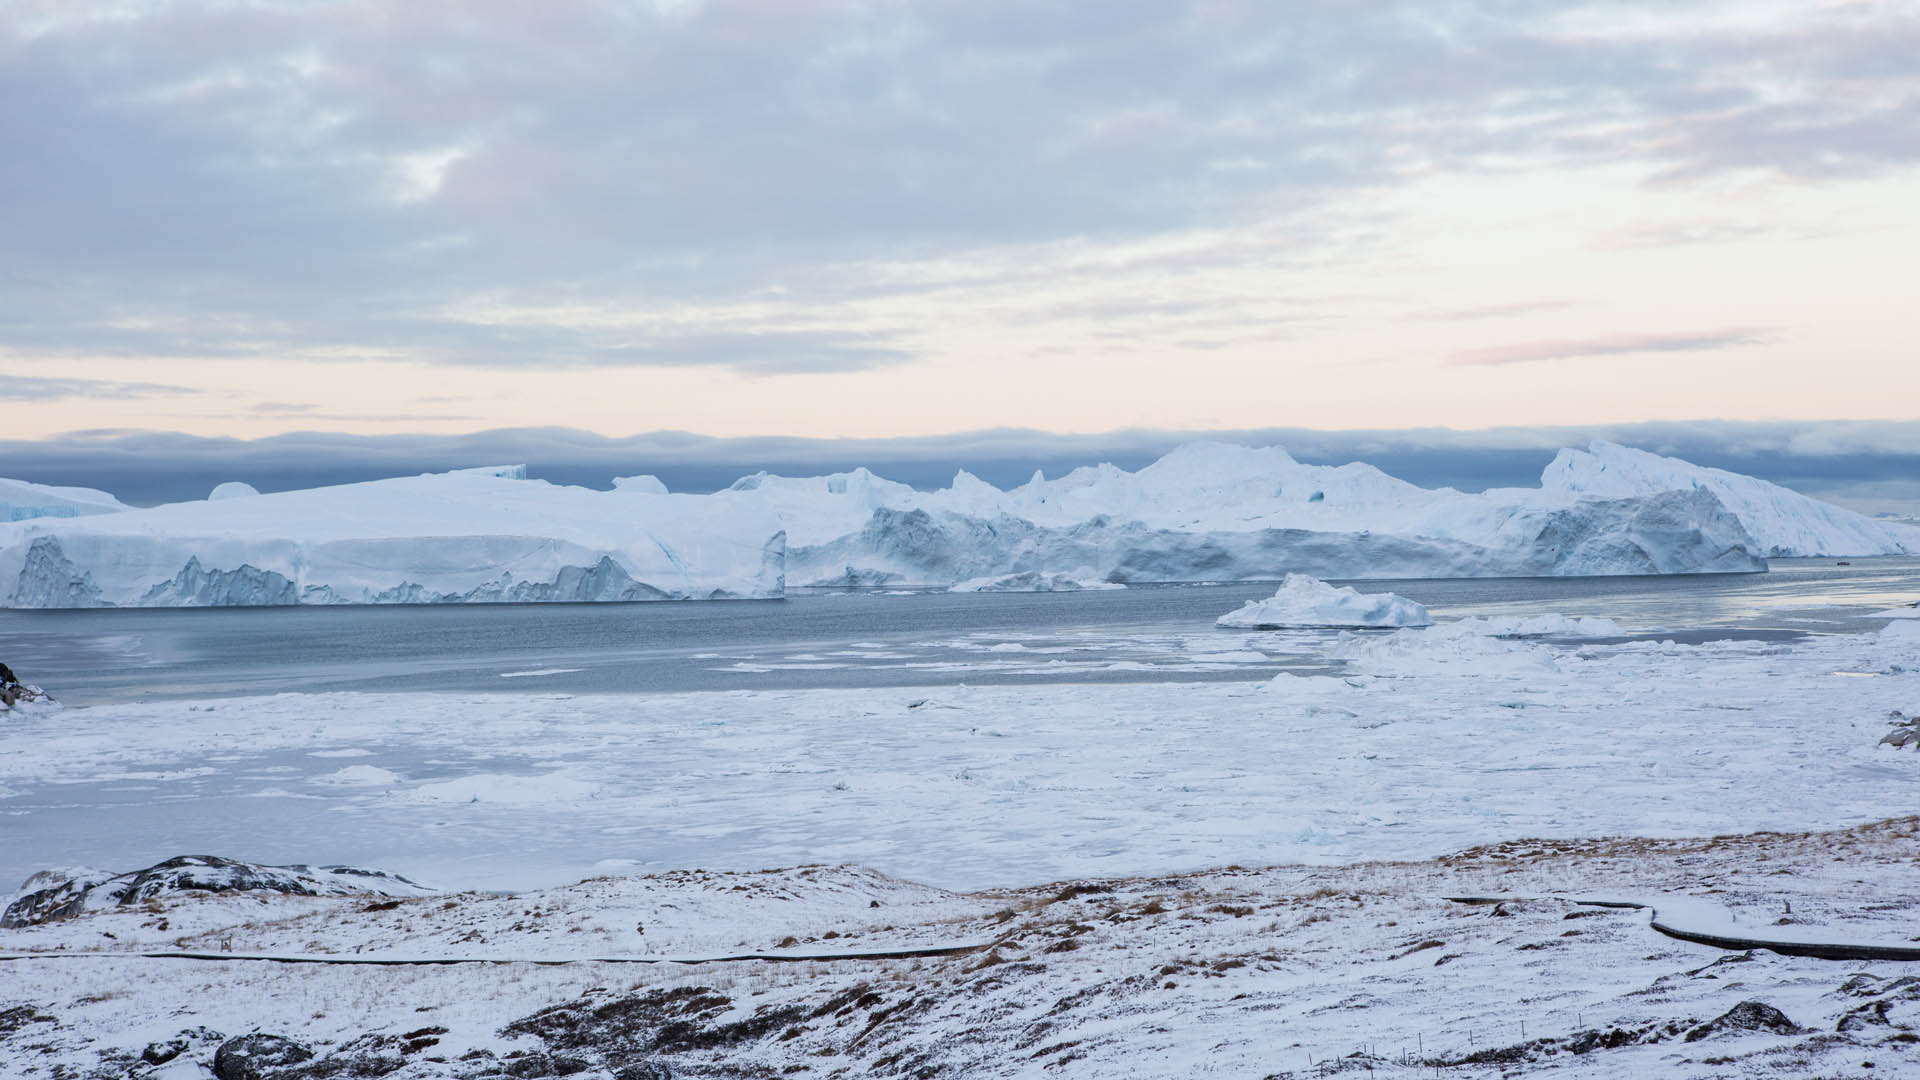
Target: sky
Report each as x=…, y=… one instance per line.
x=896, y=220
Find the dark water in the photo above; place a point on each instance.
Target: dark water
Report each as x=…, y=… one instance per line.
x=864, y=639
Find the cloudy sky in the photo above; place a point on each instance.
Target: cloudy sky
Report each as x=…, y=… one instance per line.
x=896, y=219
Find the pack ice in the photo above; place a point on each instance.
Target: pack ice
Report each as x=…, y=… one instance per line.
x=1205, y=512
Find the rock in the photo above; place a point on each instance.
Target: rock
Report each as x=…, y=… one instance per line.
x=257, y=1056
x=1746, y=1016
x=13, y=692
x=74, y=892
x=165, y=1050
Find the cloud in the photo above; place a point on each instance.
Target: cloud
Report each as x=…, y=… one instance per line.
x=258, y=180
x=1526, y=352
x=35, y=388
x=1872, y=463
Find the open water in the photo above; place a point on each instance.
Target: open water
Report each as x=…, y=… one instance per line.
x=1150, y=633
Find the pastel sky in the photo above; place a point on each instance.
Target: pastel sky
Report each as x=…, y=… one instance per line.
x=894, y=218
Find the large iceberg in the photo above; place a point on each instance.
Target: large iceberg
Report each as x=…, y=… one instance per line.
x=1205, y=512
x=20, y=500
x=478, y=535
x=1785, y=523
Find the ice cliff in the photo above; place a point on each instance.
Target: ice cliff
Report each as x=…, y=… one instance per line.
x=475, y=536
x=1205, y=512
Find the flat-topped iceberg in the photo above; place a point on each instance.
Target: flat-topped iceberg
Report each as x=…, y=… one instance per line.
x=478, y=535
x=20, y=501
x=1307, y=602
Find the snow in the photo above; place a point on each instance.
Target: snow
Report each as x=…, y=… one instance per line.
x=1204, y=512
x=474, y=535
x=1275, y=971
x=1303, y=601
x=20, y=500
x=232, y=489
x=1784, y=522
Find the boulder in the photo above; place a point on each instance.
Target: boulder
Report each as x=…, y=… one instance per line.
x=257, y=1056
x=13, y=692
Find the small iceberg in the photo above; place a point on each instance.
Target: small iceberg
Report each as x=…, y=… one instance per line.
x=1304, y=602
x=1034, y=581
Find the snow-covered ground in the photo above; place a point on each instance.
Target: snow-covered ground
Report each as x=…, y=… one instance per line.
x=1246, y=879
x=1285, y=971
x=1205, y=512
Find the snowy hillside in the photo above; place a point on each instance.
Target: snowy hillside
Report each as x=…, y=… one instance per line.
x=479, y=535
x=20, y=500
x=1785, y=523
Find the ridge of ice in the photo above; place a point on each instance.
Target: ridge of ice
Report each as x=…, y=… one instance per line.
x=1305, y=602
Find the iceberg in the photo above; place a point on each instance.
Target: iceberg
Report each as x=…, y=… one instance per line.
x=476, y=535
x=20, y=501
x=232, y=489
x=1204, y=512
x=1785, y=523
x=1033, y=581
x=1212, y=512
x=1307, y=602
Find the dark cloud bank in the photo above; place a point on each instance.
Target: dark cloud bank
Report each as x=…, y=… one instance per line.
x=1871, y=466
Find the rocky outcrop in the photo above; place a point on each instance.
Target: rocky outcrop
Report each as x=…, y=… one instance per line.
x=60, y=894
x=14, y=693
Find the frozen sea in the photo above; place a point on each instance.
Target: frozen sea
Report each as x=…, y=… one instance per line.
x=962, y=740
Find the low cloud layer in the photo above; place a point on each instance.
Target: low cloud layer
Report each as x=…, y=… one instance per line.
x=1869, y=466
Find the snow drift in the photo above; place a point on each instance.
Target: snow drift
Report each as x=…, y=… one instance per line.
x=1307, y=602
